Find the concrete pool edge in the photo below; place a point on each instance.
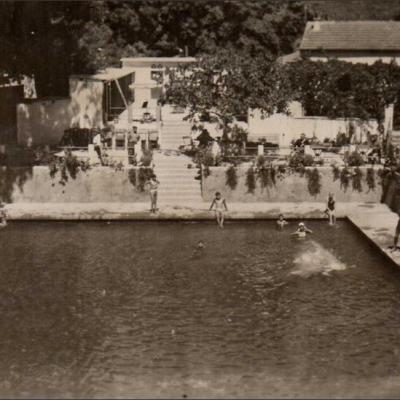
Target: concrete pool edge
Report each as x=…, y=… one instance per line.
x=190, y=211
x=374, y=220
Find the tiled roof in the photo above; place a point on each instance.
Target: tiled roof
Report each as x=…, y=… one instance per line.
x=351, y=35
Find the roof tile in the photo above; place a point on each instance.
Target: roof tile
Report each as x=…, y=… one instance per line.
x=352, y=35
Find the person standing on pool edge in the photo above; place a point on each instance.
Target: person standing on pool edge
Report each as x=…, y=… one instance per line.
x=220, y=208
x=153, y=184
x=330, y=209
x=394, y=247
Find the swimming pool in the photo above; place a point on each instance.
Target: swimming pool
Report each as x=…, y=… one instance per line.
x=135, y=309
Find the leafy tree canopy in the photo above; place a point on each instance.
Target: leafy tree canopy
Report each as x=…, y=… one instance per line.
x=226, y=85
x=52, y=39
x=341, y=89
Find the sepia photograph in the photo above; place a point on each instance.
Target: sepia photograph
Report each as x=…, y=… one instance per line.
x=199, y=199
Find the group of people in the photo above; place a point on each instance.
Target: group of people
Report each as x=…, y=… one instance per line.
x=103, y=139
x=220, y=207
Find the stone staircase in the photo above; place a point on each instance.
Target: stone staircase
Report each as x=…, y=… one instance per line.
x=172, y=133
x=178, y=185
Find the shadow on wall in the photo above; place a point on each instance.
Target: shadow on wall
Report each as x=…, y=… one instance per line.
x=44, y=121
x=10, y=178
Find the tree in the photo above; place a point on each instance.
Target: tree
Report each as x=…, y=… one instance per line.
x=221, y=87
x=52, y=39
x=339, y=89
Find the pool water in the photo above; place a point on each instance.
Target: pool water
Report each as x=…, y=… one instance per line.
x=127, y=309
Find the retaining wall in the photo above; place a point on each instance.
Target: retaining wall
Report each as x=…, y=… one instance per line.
x=292, y=188
x=286, y=128
x=98, y=185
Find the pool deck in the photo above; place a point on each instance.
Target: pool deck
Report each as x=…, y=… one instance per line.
x=376, y=221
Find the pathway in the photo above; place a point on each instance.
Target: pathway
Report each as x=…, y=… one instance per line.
x=178, y=185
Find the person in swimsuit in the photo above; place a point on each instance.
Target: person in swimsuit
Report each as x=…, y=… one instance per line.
x=153, y=184
x=220, y=208
x=3, y=216
x=396, y=237
x=330, y=209
x=281, y=221
x=302, y=230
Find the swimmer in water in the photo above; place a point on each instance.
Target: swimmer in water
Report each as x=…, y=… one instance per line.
x=281, y=222
x=302, y=230
x=3, y=216
x=220, y=208
x=198, y=250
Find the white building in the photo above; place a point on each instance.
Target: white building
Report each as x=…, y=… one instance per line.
x=351, y=41
x=150, y=76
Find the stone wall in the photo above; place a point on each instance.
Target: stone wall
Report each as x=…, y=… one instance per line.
x=292, y=188
x=98, y=185
x=285, y=128
x=43, y=121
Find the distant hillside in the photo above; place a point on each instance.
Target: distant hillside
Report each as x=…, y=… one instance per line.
x=356, y=9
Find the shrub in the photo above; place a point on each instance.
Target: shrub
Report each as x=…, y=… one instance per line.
x=356, y=181
x=250, y=180
x=370, y=178
x=267, y=176
x=206, y=171
x=205, y=157
x=260, y=161
x=272, y=172
x=308, y=160
x=298, y=160
x=336, y=173
x=67, y=166
x=231, y=177
x=341, y=140
x=239, y=134
x=354, y=159
x=132, y=176
x=314, y=181
x=345, y=178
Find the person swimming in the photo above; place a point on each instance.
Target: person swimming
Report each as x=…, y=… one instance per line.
x=281, y=222
x=302, y=230
x=198, y=251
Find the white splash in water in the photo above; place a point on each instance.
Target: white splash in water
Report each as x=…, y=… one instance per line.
x=316, y=260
